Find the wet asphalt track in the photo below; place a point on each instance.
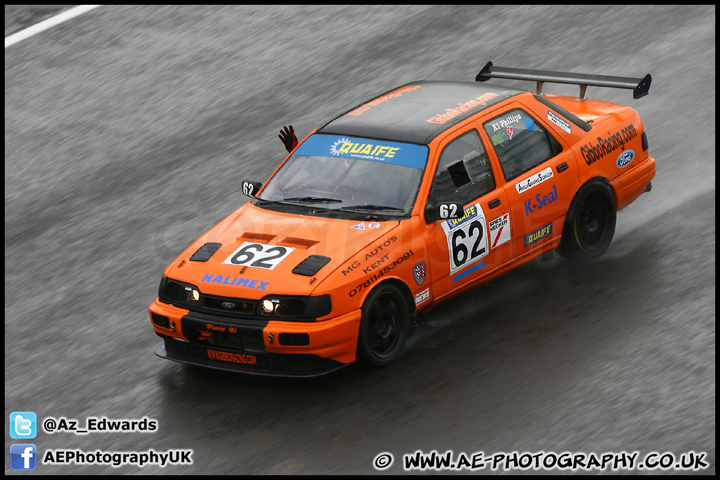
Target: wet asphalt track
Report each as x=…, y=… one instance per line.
x=126, y=134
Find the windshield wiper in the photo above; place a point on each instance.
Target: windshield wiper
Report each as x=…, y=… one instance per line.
x=372, y=207
x=312, y=199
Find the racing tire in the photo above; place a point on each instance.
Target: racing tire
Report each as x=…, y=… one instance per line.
x=384, y=328
x=590, y=222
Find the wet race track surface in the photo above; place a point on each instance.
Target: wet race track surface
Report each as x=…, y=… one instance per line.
x=128, y=130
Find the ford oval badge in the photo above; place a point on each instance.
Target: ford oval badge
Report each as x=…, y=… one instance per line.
x=228, y=305
x=625, y=158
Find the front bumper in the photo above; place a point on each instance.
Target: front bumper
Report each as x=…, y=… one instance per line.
x=256, y=347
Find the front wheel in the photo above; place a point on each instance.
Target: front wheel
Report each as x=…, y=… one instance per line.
x=590, y=222
x=384, y=328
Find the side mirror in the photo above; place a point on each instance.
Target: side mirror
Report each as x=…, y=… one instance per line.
x=443, y=211
x=250, y=188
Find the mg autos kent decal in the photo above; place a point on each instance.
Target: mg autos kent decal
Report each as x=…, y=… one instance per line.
x=467, y=238
x=395, y=153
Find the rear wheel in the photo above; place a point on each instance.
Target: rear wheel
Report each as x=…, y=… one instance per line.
x=384, y=328
x=590, y=222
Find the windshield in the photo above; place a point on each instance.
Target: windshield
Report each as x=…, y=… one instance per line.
x=348, y=174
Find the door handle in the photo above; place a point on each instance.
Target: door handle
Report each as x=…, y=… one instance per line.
x=494, y=203
x=562, y=167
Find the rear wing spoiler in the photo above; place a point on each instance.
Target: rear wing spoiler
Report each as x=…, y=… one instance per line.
x=639, y=86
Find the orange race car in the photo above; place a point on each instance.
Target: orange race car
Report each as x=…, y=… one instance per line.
x=394, y=206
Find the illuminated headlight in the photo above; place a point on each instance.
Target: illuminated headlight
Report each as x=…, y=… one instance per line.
x=179, y=293
x=267, y=306
x=296, y=307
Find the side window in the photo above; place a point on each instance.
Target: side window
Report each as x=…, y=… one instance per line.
x=520, y=142
x=463, y=172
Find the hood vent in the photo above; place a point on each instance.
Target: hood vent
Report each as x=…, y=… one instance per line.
x=300, y=242
x=311, y=265
x=205, y=252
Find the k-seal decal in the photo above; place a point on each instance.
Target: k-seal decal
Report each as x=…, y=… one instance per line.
x=540, y=201
x=467, y=238
x=259, y=255
x=537, y=179
x=395, y=153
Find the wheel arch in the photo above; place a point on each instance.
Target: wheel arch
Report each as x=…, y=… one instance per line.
x=404, y=289
x=573, y=203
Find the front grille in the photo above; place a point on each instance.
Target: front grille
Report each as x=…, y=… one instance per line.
x=237, y=335
x=228, y=306
x=236, y=342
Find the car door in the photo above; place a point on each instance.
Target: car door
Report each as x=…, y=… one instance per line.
x=465, y=249
x=540, y=176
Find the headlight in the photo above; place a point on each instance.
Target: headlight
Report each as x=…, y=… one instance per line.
x=285, y=307
x=179, y=293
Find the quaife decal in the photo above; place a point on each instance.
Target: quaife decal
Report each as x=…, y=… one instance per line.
x=467, y=238
x=405, y=154
x=559, y=121
x=395, y=93
x=537, y=179
x=540, y=201
x=592, y=152
x=538, y=235
x=451, y=113
x=377, y=152
x=235, y=281
x=422, y=297
x=499, y=230
x=625, y=158
x=259, y=255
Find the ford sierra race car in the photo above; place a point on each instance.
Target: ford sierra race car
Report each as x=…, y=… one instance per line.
x=394, y=206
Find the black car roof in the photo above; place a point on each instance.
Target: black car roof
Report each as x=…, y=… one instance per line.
x=418, y=111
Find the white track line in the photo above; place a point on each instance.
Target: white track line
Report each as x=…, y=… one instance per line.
x=49, y=23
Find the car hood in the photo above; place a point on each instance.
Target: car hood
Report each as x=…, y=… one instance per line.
x=336, y=239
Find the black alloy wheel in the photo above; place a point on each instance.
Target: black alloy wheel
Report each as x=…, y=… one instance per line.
x=384, y=327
